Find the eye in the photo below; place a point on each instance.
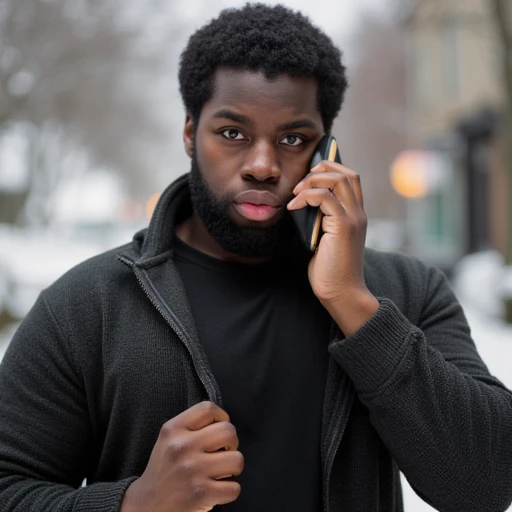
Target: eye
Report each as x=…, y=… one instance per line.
x=232, y=134
x=291, y=140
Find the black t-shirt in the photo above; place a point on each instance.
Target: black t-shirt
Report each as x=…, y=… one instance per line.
x=265, y=335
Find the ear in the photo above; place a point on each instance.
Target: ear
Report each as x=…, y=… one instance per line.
x=188, y=135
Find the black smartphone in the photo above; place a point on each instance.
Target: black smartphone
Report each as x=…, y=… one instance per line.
x=308, y=220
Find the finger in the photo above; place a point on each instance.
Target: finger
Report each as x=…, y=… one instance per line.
x=355, y=181
x=218, y=436
x=344, y=191
x=330, y=165
x=220, y=465
x=354, y=177
x=225, y=491
x=200, y=415
x=339, y=183
x=326, y=179
x=318, y=197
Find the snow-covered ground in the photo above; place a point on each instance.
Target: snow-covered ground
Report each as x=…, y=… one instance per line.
x=474, y=284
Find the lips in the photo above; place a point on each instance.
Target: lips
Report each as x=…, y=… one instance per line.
x=259, y=197
x=257, y=205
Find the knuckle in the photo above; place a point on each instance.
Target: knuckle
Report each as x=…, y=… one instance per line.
x=239, y=462
x=207, y=406
x=167, y=429
x=229, y=429
x=177, y=447
x=234, y=491
x=189, y=467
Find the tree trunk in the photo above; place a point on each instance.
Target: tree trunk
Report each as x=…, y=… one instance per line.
x=11, y=206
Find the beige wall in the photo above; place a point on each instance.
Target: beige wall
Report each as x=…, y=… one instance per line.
x=447, y=39
x=371, y=129
x=450, y=38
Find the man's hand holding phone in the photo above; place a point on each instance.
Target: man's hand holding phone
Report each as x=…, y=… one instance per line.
x=194, y=455
x=336, y=269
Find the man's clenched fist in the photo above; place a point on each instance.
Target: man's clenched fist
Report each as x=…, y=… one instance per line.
x=194, y=455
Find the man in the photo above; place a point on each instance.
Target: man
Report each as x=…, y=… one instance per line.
x=213, y=362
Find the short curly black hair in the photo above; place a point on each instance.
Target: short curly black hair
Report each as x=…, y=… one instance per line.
x=271, y=39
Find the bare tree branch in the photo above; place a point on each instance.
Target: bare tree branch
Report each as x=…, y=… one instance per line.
x=87, y=67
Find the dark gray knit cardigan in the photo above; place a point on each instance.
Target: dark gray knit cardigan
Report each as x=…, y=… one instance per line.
x=109, y=353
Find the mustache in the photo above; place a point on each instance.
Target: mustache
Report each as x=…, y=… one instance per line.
x=257, y=186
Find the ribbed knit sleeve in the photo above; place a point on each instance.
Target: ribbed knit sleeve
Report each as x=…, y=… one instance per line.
x=102, y=497
x=446, y=421
x=43, y=465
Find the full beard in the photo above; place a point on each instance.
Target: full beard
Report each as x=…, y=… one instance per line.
x=252, y=242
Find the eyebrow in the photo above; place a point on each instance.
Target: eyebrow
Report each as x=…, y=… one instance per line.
x=239, y=118
x=300, y=123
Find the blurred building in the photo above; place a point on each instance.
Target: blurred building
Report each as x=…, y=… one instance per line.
x=454, y=104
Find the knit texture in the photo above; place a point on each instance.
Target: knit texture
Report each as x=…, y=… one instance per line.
x=109, y=353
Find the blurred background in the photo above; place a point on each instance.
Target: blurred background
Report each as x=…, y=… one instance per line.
x=91, y=120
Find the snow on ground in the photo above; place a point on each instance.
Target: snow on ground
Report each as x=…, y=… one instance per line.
x=474, y=284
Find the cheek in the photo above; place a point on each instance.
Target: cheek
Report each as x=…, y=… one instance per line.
x=218, y=167
x=295, y=171
x=209, y=156
x=212, y=151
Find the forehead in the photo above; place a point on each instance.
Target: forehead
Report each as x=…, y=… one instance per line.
x=241, y=89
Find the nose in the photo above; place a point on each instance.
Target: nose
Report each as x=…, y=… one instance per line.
x=262, y=163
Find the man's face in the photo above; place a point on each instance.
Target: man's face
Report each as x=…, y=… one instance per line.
x=251, y=146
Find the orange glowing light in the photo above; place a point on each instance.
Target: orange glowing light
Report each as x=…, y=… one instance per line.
x=410, y=174
x=150, y=205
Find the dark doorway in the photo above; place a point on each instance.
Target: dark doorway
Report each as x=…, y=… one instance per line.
x=477, y=132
